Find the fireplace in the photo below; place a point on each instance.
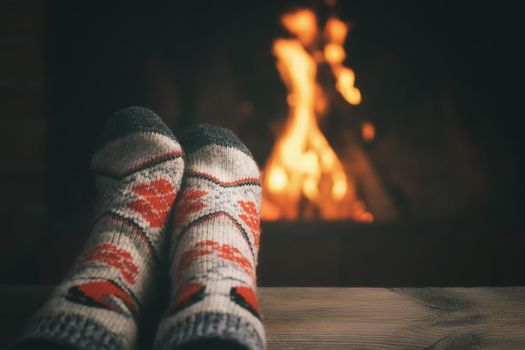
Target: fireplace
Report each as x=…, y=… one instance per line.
x=418, y=195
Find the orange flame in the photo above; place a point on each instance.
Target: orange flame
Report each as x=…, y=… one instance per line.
x=303, y=167
x=302, y=23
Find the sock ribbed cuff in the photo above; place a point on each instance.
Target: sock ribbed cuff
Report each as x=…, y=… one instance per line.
x=212, y=325
x=72, y=331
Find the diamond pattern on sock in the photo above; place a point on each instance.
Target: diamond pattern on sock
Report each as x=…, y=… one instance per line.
x=154, y=202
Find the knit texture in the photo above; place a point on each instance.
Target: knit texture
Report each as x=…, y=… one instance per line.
x=138, y=168
x=214, y=245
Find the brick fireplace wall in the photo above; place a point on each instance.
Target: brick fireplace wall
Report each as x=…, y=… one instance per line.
x=23, y=137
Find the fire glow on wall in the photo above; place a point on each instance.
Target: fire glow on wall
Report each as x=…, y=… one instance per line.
x=303, y=177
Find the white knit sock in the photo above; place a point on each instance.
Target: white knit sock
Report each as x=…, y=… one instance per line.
x=215, y=245
x=138, y=168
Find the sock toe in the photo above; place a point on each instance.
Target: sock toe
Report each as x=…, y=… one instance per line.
x=203, y=135
x=130, y=120
x=133, y=138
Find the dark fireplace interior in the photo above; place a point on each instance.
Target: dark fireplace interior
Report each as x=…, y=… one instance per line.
x=438, y=82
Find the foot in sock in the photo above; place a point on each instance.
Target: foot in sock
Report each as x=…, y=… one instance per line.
x=138, y=168
x=214, y=247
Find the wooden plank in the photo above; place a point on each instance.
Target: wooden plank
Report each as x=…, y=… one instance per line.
x=377, y=318
x=355, y=318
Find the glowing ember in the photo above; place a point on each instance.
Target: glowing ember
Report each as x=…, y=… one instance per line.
x=368, y=131
x=303, y=177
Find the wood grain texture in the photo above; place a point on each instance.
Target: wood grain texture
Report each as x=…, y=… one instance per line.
x=355, y=318
x=410, y=318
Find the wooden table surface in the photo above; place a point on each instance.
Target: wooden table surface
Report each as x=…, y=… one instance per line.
x=355, y=318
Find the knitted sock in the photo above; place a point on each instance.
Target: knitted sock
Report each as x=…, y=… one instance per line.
x=138, y=168
x=214, y=247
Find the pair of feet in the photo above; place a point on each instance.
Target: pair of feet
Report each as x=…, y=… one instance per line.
x=211, y=187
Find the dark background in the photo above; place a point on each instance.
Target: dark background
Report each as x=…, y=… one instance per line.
x=439, y=80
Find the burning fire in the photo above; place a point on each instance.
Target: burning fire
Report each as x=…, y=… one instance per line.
x=303, y=177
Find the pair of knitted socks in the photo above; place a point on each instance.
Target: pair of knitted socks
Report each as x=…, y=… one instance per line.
x=211, y=185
